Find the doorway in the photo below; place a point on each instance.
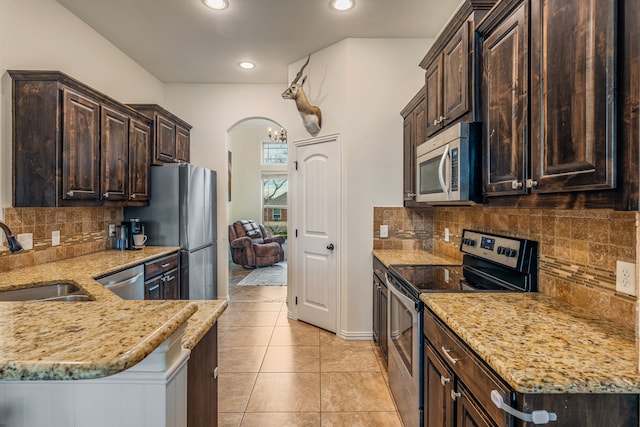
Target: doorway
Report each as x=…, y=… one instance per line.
x=258, y=191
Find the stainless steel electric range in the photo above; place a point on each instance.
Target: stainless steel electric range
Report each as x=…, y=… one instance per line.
x=491, y=263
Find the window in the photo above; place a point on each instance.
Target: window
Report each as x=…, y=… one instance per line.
x=274, y=202
x=274, y=152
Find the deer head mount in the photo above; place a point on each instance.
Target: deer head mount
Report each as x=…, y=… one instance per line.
x=311, y=114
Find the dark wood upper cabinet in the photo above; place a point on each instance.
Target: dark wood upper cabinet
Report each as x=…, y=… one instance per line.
x=72, y=145
x=114, y=154
x=139, y=160
x=573, y=69
x=450, y=92
x=80, y=147
x=504, y=104
x=171, y=140
x=414, y=135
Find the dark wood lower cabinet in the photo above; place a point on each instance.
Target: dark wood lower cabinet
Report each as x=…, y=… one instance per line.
x=380, y=298
x=202, y=382
x=457, y=392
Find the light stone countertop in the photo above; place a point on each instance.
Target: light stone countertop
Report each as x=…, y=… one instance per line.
x=411, y=257
x=539, y=344
x=82, y=340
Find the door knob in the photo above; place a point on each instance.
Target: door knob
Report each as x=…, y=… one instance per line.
x=330, y=246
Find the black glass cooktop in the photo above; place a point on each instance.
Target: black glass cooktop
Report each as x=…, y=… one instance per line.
x=425, y=278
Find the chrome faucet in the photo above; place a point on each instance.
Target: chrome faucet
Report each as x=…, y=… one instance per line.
x=12, y=242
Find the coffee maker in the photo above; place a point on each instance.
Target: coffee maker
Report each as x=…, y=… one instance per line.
x=132, y=234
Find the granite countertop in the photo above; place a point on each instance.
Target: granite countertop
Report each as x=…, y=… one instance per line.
x=82, y=340
x=539, y=344
x=411, y=257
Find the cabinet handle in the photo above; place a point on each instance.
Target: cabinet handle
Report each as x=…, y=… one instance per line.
x=444, y=380
x=442, y=119
x=215, y=373
x=448, y=356
x=411, y=195
x=169, y=278
x=536, y=417
x=531, y=183
x=154, y=288
x=106, y=195
x=133, y=196
x=515, y=184
x=455, y=395
x=165, y=265
x=70, y=193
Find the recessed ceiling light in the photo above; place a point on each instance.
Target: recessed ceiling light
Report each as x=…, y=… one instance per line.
x=246, y=65
x=343, y=4
x=216, y=4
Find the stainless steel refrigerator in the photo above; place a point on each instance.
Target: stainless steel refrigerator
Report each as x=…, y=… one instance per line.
x=182, y=212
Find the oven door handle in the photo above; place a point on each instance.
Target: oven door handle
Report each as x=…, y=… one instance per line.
x=441, y=177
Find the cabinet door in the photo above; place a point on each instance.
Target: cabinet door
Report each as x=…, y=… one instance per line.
x=153, y=289
x=438, y=384
x=183, y=146
x=383, y=311
x=468, y=412
x=202, y=382
x=414, y=135
x=165, y=140
x=504, y=109
x=455, y=76
x=139, y=161
x=171, y=285
x=80, y=147
x=433, y=96
x=376, y=309
x=573, y=94
x=114, y=154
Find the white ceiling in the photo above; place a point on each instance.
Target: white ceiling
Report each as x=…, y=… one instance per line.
x=182, y=41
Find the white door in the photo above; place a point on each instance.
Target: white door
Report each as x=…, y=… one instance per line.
x=317, y=205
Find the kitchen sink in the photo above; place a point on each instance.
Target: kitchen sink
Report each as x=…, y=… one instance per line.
x=46, y=292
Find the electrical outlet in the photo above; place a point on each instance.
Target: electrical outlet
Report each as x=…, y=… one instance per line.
x=446, y=235
x=384, y=231
x=55, y=238
x=446, y=275
x=26, y=240
x=626, y=277
x=112, y=230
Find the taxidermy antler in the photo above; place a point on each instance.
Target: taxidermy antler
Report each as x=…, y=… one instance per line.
x=311, y=114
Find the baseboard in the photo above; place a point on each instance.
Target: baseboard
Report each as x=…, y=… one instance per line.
x=356, y=336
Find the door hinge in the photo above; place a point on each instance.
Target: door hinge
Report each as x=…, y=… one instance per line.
x=295, y=162
x=296, y=300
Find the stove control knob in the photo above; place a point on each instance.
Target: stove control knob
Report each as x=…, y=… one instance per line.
x=511, y=253
x=465, y=241
x=472, y=242
x=500, y=250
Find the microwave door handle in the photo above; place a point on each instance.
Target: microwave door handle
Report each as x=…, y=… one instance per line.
x=441, y=177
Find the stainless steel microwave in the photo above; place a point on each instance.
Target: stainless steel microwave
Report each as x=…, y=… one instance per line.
x=448, y=166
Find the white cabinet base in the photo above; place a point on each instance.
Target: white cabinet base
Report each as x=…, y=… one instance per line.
x=150, y=394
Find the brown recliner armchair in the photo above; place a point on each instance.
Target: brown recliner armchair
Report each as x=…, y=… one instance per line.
x=251, y=247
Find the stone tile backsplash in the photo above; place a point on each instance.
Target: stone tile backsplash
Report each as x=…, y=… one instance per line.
x=83, y=230
x=578, y=248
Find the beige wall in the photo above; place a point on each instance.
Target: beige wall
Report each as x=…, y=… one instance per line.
x=578, y=248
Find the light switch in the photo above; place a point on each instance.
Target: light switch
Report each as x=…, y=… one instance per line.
x=55, y=238
x=26, y=240
x=446, y=235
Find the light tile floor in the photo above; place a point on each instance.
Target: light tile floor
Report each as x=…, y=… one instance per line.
x=280, y=372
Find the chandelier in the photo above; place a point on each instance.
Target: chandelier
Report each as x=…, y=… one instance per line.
x=278, y=136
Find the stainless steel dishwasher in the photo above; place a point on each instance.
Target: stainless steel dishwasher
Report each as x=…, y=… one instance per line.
x=127, y=284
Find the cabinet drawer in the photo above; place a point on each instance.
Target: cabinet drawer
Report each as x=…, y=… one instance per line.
x=472, y=371
x=160, y=265
x=379, y=270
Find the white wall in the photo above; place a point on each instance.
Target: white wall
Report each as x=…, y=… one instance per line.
x=44, y=35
